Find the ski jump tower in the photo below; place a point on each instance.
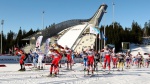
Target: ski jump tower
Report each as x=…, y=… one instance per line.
x=78, y=37
x=73, y=33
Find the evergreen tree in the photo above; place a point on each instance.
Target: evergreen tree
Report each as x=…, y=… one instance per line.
x=19, y=38
x=10, y=40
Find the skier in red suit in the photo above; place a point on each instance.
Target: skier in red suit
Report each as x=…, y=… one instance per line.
x=90, y=60
x=56, y=57
x=69, y=59
x=22, y=55
x=107, y=58
x=58, y=48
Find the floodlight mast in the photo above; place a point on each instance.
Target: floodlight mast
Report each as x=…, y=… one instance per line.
x=2, y=22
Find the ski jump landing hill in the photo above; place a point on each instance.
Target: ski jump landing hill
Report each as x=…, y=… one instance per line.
x=73, y=33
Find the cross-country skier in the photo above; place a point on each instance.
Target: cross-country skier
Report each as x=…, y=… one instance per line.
x=128, y=59
x=22, y=58
x=96, y=60
x=72, y=57
x=35, y=58
x=133, y=60
x=69, y=59
x=84, y=56
x=56, y=56
x=114, y=58
x=139, y=59
x=58, y=48
x=107, y=57
x=147, y=61
x=40, y=59
x=90, y=60
x=121, y=58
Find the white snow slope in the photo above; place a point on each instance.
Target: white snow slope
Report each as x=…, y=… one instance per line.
x=141, y=48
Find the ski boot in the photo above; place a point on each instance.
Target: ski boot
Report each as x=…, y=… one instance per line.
x=23, y=69
x=92, y=72
x=42, y=68
x=38, y=68
x=60, y=66
x=55, y=75
x=50, y=75
x=88, y=72
x=118, y=70
x=84, y=69
x=20, y=70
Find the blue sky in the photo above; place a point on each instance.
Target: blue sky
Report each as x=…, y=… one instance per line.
x=27, y=14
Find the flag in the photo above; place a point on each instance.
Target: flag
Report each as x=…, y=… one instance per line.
x=38, y=41
x=103, y=36
x=47, y=45
x=98, y=32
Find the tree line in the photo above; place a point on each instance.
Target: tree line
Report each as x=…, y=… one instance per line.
x=118, y=34
x=115, y=35
x=12, y=39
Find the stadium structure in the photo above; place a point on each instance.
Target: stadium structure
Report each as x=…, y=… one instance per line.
x=73, y=33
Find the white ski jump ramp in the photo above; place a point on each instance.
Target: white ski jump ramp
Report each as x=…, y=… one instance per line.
x=71, y=36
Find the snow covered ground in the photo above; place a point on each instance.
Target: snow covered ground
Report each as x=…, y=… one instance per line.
x=10, y=75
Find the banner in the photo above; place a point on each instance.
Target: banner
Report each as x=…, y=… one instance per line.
x=47, y=46
x=92, y=30
x=95, y=31
x=38, y=41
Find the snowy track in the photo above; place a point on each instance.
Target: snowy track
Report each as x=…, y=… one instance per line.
x=10, y=75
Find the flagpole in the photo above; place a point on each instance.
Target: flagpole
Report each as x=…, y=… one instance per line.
x=113, y=14
x=89, y=34
x=102, y=41
x=104, y=38
x=96, y=39
x=96, y=42
x=104, y=27
x=99, y=42
x=43, y=19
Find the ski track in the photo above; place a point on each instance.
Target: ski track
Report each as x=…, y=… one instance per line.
x=76, y=76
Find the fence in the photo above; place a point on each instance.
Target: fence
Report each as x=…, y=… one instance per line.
x=15, y=59
x=9, y=59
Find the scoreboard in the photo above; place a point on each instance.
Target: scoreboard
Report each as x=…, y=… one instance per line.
x=125, y=45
